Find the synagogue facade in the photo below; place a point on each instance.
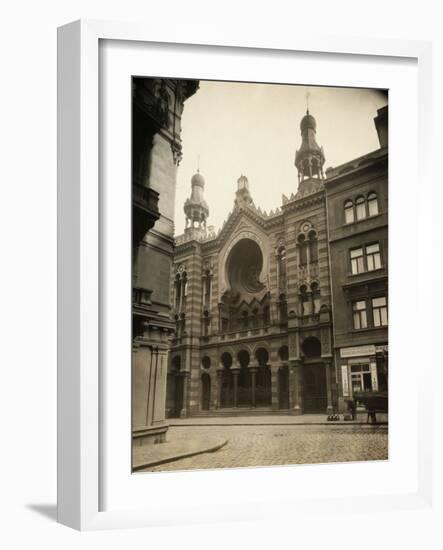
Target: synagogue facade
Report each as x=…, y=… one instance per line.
x=268, y=311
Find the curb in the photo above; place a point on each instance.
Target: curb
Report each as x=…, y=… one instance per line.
x=187, y=454
x=331, y=423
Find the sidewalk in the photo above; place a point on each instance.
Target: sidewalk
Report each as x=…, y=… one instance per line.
x=178, y=447
x=274, y=420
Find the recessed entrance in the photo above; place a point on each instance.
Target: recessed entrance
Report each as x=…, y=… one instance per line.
x=174, y=389
x=314, y=388
x=244, y=380
x=206, y=391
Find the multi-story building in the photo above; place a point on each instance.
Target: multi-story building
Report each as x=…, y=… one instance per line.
x=357, y=199
x=252, y=304
x=157, y=109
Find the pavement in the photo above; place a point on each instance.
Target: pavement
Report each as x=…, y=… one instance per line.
x=233, y=442
x=274, y=419
x=178, y=446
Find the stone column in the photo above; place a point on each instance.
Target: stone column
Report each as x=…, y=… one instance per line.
x=219, y=387
x=329, y=408
x=295, y=387
x=235, y=373
x=274, y=387
x=253, y=371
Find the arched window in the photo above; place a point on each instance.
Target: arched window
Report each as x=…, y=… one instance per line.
x=372, y=204
x=255, y=317
x=315, y=297
x=349, y=211
x=305, y=301
x=360, y=207
x=206, y=322
x=177, y=291
x=281, y=261
x=207, y=288
x=206, y=362
x=303, y=257
x=245, y=319
x=305, y=305
x=313, y=247
x=185, y=289
x=283, y=306
x=266, y=315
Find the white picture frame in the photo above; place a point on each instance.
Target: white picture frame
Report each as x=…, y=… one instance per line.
x=80, y=444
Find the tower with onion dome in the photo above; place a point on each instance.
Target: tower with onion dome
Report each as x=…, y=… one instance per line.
x=196, y=209
x=310, y=158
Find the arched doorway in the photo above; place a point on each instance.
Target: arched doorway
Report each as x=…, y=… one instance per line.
x=244, y=380
x=263, y=379
x=205, y=391
x=227, y=382
x=314, y=377
x=283, y=378
x=174, y=389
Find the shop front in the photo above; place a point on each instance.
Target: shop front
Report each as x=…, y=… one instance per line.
x=361, y=369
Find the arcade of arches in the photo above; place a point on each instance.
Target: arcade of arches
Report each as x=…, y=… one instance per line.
x=248, y=381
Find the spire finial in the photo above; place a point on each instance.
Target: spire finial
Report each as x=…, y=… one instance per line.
x=198, y=163
x=308, y=95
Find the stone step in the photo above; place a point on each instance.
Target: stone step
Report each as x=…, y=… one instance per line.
x=242, y=411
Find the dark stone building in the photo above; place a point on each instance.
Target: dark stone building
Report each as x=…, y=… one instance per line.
x=357, y=197
x=284, y=311
x=252, y=304
x=157, y=109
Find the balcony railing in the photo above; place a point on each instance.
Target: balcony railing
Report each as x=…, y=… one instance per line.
x=245, y=333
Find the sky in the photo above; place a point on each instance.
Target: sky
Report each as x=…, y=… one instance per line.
x=229, y=129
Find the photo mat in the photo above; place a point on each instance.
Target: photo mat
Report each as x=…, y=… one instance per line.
x=260, y=305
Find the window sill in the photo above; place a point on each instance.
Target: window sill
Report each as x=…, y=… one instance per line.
x=355, y=222
x=368, y=329
x=378, y=270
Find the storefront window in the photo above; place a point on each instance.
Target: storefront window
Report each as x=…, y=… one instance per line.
x=361, y=379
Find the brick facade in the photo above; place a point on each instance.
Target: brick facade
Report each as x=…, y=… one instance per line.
x=272, y=341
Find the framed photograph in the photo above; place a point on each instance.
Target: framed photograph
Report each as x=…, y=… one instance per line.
x=230, y=215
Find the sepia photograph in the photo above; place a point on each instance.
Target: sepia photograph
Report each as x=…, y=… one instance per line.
x=259, y=274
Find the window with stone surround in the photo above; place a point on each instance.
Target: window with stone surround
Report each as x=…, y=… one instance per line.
x=360, y=208
x=373, y=259
x=357, y=261
x=365, y=258
x=359, y=314
x=349, y=211
x=380, y=311
x=372, y=204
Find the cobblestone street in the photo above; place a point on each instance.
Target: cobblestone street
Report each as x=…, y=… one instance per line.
x=267, y=445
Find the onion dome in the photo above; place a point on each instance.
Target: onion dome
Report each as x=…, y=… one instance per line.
x=196, y=208
x=308, y=122
x=310, y=158
x=198, y=179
